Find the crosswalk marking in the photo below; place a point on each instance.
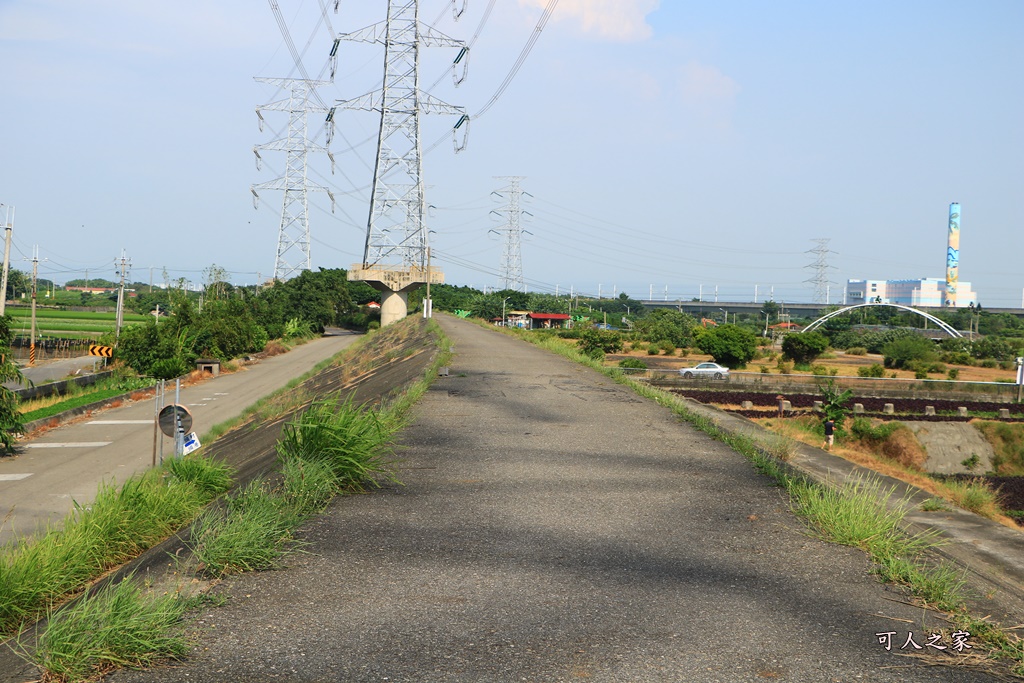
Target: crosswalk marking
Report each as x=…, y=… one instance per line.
x=14, y=477
x=70, y=444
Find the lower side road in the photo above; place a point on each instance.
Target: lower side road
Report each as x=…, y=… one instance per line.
x=553, y=526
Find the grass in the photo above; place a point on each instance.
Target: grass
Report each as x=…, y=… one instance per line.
x=38, y=574
x=120, y=626
x=80, y=395
x=974, y=495
x=251, y=533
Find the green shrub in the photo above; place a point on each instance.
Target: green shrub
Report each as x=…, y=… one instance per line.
x=900, y=353
x=652, y=350
x=989, y=363
x=873, y=370
x=634, y=363
x=730, y=345
x=804, y=347
x=857, y=351
x=953, y=373
x=669, y=348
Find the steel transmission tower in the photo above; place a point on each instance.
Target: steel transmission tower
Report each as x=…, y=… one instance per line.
x=396, y=254
x=512, y=259
x=821, y=270
x=293, y=237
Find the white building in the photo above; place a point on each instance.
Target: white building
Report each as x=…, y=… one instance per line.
x=929, y=292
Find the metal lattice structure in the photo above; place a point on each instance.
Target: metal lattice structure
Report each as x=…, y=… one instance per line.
x=293, y=236
x=821, y=269
x=396, y=236
x=512, y=257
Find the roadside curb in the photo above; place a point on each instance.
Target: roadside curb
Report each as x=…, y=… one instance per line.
x=67, y=415
x=990, y=553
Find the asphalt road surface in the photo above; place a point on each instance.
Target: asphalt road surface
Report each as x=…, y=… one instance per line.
x=553, y=526
x=66, y=465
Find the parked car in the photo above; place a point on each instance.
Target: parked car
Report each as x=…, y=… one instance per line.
x=706, y=370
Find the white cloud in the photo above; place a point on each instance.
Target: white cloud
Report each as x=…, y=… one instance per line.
x=707, y=93
x=617, y=20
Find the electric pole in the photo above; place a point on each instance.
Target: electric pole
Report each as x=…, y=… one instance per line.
x=8, y=228
x=32, y=334
x=125, y=264
x=512, y=258
x=293, y=235
x=821, y=268
x=395, y=253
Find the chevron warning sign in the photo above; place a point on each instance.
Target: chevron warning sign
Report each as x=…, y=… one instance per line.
x=97, y=350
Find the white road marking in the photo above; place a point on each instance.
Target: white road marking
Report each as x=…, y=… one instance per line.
x=70, y=444
x=197, y=404
x=120, y=422
x=14, y=477
x=220, y=393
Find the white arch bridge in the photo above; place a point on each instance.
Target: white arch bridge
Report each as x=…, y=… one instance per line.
x=952, y=332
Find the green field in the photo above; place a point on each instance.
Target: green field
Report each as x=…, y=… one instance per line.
x=56, y=323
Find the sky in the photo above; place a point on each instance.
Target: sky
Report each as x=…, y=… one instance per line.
x=673, y=148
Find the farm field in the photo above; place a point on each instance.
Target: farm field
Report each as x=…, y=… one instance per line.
x=57, y=323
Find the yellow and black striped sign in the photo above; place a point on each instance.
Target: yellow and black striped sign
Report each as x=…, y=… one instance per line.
x=97, y=350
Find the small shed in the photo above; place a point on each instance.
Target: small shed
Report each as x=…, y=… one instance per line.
x=208, y=365
x=548, y=321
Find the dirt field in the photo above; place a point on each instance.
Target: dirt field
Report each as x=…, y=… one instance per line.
x=846, y=365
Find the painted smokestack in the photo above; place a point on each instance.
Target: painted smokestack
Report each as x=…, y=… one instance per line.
x=953, y=254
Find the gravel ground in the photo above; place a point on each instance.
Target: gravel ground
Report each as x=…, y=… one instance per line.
x=553, y=526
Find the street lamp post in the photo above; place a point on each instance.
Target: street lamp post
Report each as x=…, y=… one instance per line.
x=504, y=323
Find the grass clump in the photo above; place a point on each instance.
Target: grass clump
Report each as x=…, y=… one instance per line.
x=120, y=626
x=251, y=533
x=352, y=442
x=974, y=495
x=38, y=573
x=210, y=476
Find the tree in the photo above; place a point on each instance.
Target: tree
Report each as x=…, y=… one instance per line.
x=804, y=347
x=10, y=419
x=665, y=325
x=730, y=345
x=900, y=353
x=834, y=402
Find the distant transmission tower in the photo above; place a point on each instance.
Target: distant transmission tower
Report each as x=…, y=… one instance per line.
x=821, y=270
x=293, y=237
x=512, y=259
x=395, y=256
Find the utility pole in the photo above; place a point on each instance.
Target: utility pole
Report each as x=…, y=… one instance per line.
x=395, y=252
x=32, y=334
x=512, y=260
x=125, y=264
x=8, y=228
x=821, y=269
x=293, y=235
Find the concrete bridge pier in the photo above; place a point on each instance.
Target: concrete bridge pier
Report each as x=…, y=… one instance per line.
x=394, y=283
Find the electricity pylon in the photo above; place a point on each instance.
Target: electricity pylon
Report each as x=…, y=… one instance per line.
x=293, y=236
x=512, y=259
x=396, y=254
x=821, y=269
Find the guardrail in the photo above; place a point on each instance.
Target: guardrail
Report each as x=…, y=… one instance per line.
x=997, y=392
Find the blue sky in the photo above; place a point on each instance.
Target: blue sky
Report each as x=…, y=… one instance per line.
x=669, y=146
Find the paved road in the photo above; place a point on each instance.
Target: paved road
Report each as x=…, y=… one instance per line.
x=55, y=369
x=553, y=526
x=68, y=463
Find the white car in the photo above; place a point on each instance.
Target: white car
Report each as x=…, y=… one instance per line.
x=707, y=370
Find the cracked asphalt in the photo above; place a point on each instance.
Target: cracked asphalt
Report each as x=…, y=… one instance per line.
x=553, y=526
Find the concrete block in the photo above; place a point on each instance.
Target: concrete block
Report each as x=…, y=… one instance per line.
x=962, y=410
x=929, y=410
x=1004, y=412
x=787, y=406
x=819, y=406
x=442, y=372
x=747, y=405
x=858, y=408
x=888, y=409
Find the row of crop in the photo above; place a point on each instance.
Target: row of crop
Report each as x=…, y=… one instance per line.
x=54, y=313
